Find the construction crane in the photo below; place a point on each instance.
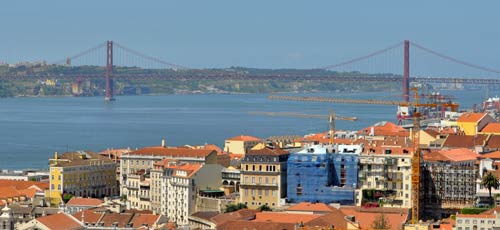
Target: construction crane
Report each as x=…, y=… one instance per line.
x=415, y=161
x=331, y=119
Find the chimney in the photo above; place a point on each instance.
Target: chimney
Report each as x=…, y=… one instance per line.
x=163, y=143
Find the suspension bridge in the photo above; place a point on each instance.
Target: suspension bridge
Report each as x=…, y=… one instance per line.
x=110, y=55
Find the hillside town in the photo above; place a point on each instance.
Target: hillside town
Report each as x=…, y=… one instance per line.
x=358, y=179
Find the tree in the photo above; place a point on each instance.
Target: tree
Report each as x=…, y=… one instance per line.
x=381, y=223
x=66, y=197
x=490, y=181
x=235, y=207
x=264, y=207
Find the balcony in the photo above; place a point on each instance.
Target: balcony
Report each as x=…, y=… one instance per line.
x=258, y=184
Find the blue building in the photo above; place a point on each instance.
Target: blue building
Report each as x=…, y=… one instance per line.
x=323, y=173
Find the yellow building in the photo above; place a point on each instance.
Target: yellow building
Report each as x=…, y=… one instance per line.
x=263, y=177
x=81, y=173
x=472, y=123
x=240, y=144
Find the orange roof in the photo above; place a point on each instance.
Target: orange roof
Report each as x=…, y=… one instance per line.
x=172, y=152
x=268, y=151
x=461, y=154
x=385, y=128
x=24, y=184
x=244, y=138
x=365, y=217
x=189, y=168
x=29, y=192
x=493, y=155
x=114, y=152
x=307, y=206
x=59, y=221
x=471, y=117
x=8, y=192
x=483, y=216
x=142, y=219
x=491, y=128
x=121, y=219
x=80, y=201
x=90, y=216
x=283, y=217
x=237, y=215
x=463, y=141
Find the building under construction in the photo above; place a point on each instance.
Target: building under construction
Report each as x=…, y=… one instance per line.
x=323, y=173
x=448, y=182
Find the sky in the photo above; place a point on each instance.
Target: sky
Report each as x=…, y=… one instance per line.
x=257, y=33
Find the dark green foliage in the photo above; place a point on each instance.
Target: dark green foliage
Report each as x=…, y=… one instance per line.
x=264, y=207
x=235, y=207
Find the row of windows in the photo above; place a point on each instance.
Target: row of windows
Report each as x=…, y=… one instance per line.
x=259, y=192
x=269, y=168
x=266, y=180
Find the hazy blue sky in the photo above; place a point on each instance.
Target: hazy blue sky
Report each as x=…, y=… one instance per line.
x=274, y=34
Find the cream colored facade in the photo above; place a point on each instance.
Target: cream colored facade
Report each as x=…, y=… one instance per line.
x=478, y=222
x=81, y=173
x=240, y=145
x=142, y=159
x=138, y=196
x=385, y=173
x=263, y=178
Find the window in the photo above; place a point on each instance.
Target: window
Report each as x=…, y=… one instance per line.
x=253, y=167
x=246, y=167
x=267, y=180
x=253, y=192
x=274, y=181
x=59, y=186
x=260, y=180
x=52, y=186
x=253, y=180
x=260, y=192
x=260, y=167
x=266, y=192
x=274, y=192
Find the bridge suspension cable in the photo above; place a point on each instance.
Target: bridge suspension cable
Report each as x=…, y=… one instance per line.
x=452, y=59
x=150, y=58
x=376, y=53
x=83, y=53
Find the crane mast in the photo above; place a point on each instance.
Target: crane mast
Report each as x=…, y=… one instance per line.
x=415, y=163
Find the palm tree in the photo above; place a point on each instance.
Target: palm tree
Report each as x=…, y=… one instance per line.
x=490, y=181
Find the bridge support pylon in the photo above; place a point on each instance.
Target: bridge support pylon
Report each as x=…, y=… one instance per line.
x=109, y=71
x=406, y=71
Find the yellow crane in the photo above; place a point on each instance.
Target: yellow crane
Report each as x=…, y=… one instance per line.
x=331, y=118
x=415, y=161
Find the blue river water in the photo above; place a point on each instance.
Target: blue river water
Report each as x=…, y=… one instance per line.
x=32, y=129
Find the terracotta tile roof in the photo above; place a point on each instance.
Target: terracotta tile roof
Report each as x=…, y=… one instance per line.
x=79, y=201
x=144, y=219
x=114, y=153
x=483, y=216
x=335, y=218
x=268, y=151
x=283, y=217
x=60, y=221
x=190, y=169
x=254, y=225
x=29, y=192
x=206, y=215
x=90, y=216
x=432, y=132
x=463, y=141
x=493, y=155
x=461, y=154
x=366, y=216
x=8, y=192
x=120, y=219
x=493, y=142
x=492, y=211
x=307, y=206
x=173, y=152
x=385, y=128
x=491, y=127
x=75, y=159
x=237, y=215
x=24, y=184
x=435, y=157
x=244, y=138
x=471, y=117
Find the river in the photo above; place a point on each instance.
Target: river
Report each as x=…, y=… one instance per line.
x=32, y=129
